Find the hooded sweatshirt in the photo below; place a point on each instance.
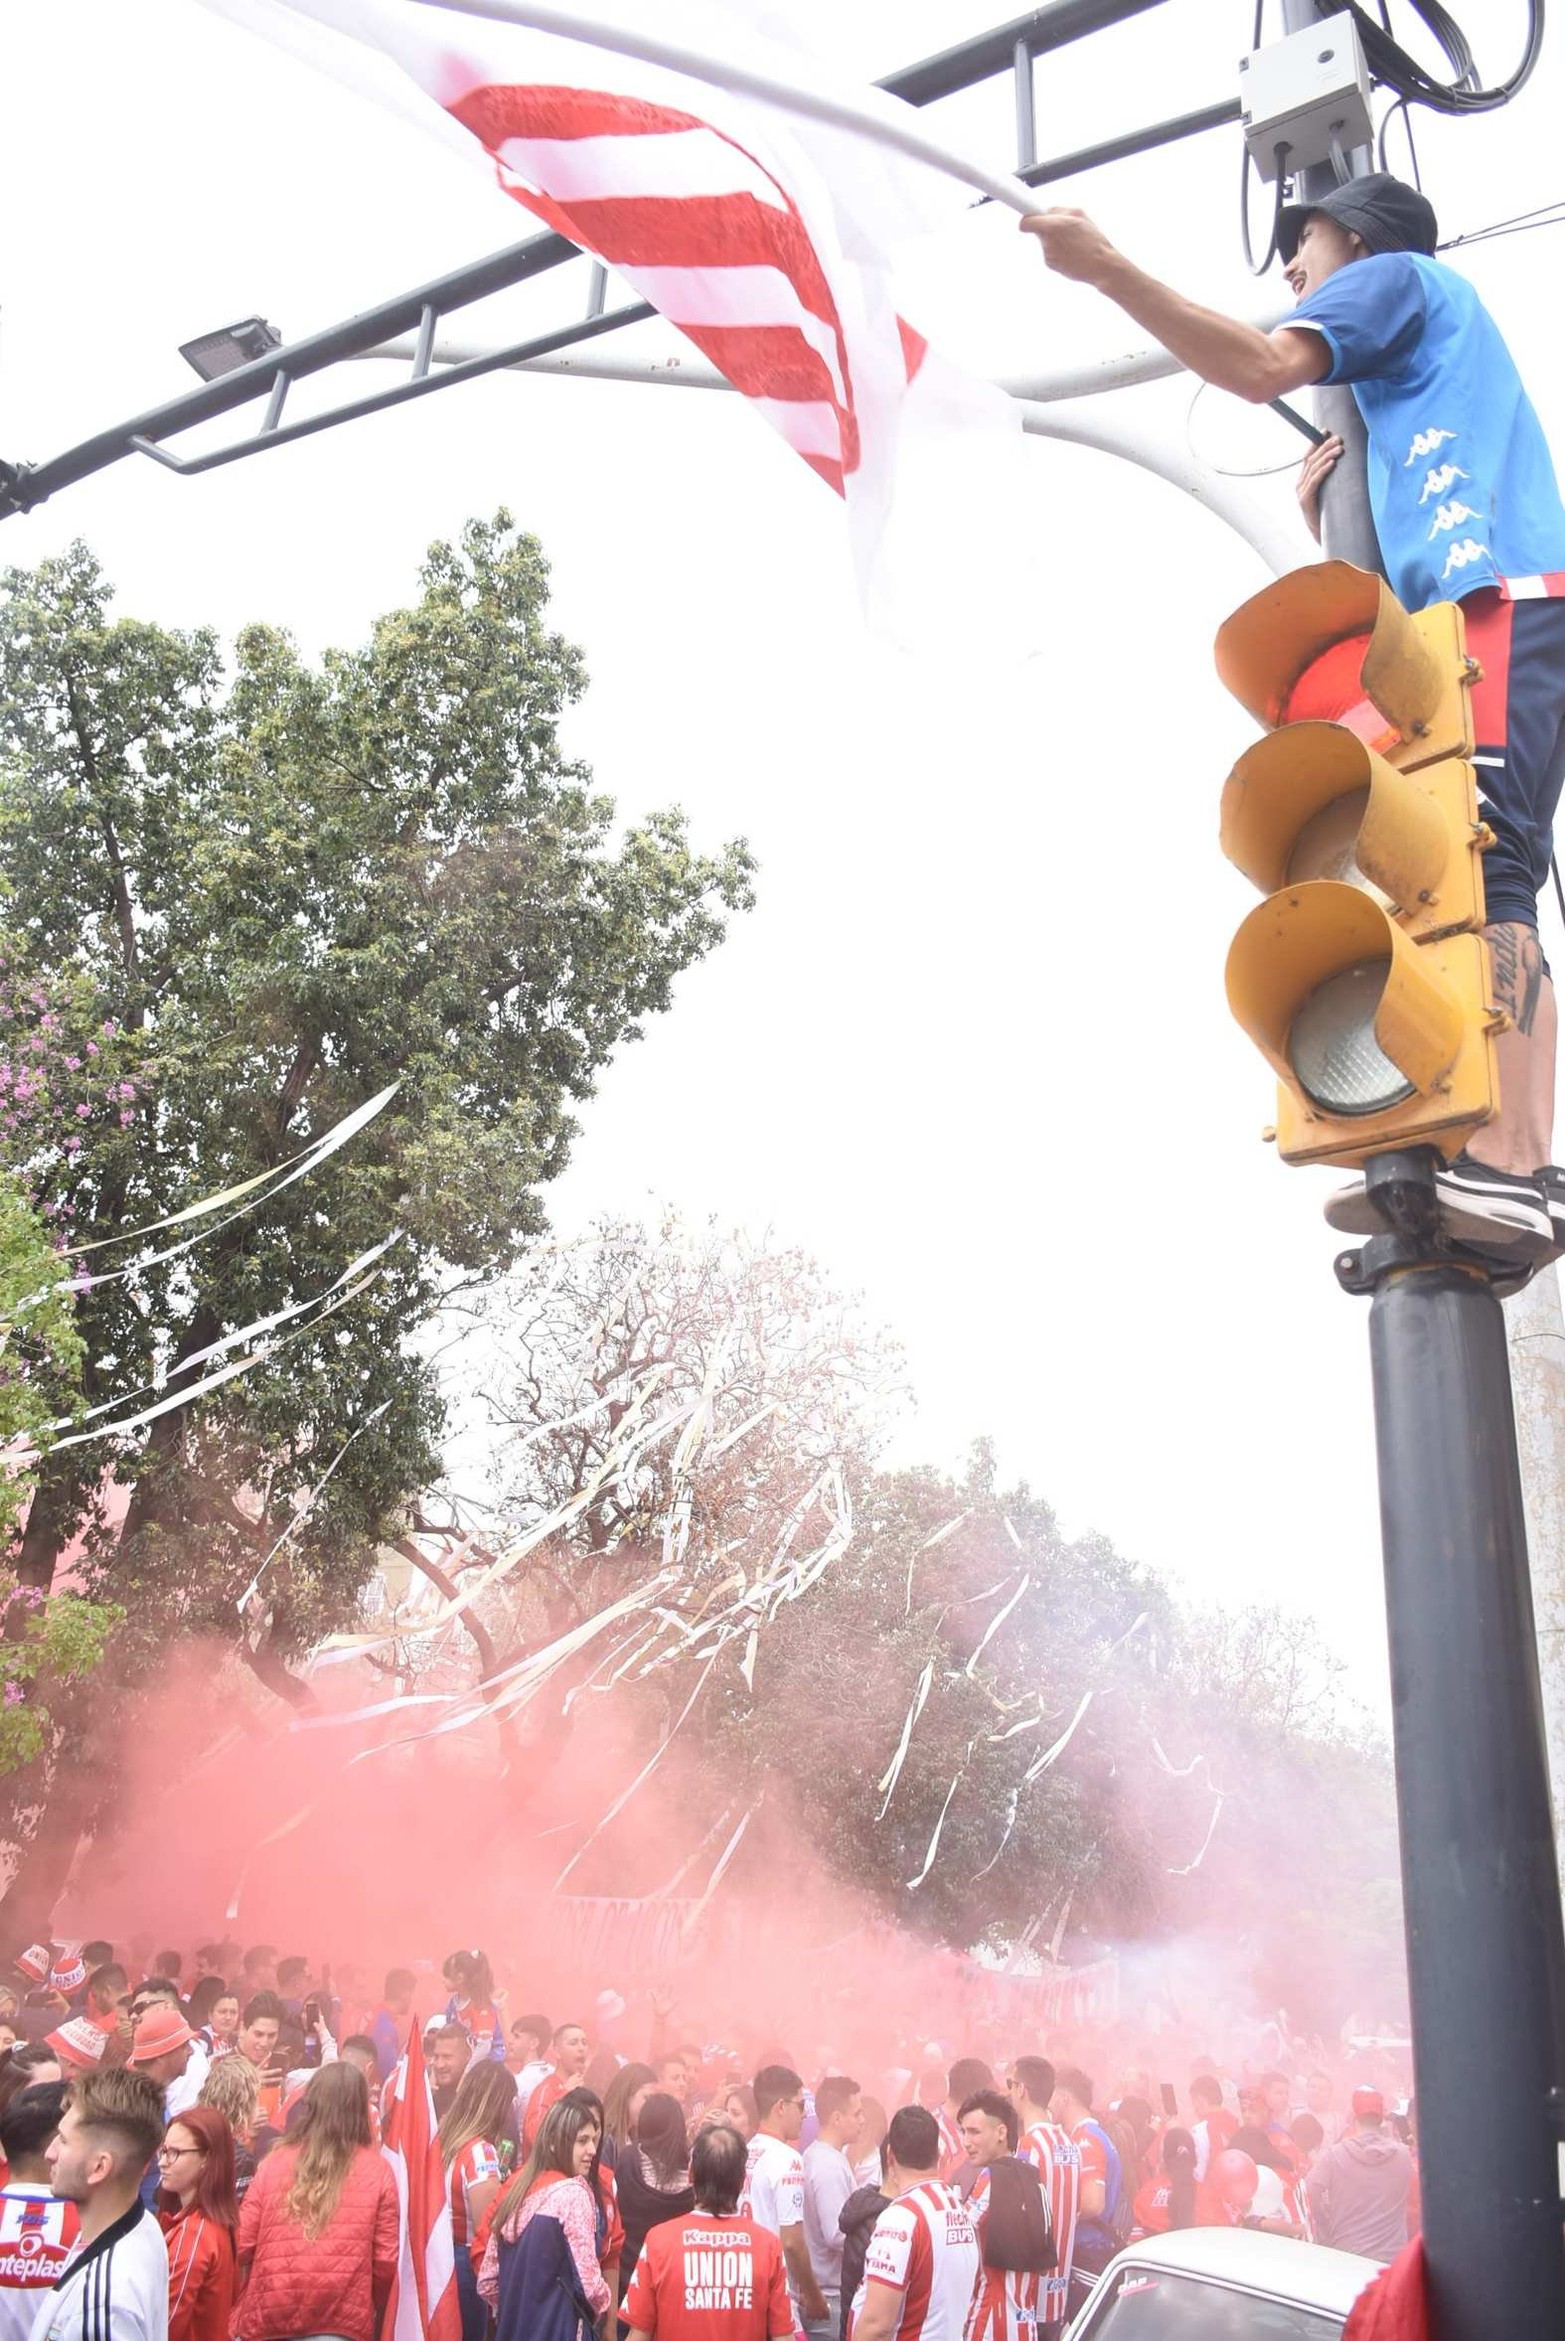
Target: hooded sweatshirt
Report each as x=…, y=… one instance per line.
x=857, y=2221
x=1358, y=2193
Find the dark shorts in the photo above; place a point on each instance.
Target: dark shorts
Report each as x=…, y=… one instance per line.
x=1519, y=717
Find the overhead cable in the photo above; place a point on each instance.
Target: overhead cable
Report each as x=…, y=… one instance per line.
x=1394, y=68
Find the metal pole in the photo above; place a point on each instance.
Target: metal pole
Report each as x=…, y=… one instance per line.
x=1481, y=1888
x=1535, y=1329
x=1026, y=119
x=992, y=52
x=1347, y=524
x=24, y=485
x=1131, y=142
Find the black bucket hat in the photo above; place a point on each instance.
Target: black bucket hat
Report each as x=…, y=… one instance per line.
x=1388, y=214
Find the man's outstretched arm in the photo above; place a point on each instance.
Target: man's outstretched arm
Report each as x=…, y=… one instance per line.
x=1221, y=350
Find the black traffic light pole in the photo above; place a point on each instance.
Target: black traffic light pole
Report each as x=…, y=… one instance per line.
x=1485, y=1947
x=1480, y=1883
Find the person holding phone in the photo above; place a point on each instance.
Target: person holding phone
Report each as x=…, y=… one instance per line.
x=259, y=2029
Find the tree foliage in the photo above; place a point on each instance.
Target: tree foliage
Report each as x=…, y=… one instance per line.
x=1085, y=1757
x=277, y=888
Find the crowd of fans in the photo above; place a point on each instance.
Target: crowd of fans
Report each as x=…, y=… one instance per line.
x=193, y=2150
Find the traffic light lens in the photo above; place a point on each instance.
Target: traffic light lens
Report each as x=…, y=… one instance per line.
x=1326, y=847
x=1332, y=1048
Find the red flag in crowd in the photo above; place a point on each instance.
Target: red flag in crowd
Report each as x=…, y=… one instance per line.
x=1395, y=2307
x=423, y=2304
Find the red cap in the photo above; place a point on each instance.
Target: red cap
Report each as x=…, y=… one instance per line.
x=161, y=2029
x=1368, y=2105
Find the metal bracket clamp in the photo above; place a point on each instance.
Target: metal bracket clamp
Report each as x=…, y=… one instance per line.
x=1400, y=1185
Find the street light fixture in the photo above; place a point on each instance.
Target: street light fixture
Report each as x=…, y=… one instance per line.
x=230, y=347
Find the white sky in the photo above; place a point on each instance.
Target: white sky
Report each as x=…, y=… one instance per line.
x=971, y=1049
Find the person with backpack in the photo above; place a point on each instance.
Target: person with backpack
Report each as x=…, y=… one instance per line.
x=1011, y=2211
x=1057, y=2160
x=921, y=2266
x=1104, y=2220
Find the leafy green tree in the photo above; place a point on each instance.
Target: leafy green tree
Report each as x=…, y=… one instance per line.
x=281, y=889
x=51, y=1642
x=964, y=1846
x=40, y=1348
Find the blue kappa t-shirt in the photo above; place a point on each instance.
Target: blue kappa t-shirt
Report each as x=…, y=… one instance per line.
x=1461, y=482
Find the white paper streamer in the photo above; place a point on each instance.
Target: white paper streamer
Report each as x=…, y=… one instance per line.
x=928, y=1546
x=715, y=1880
x=647, y=1769
x=273, y=1182
x=308, y=1506
x=1013, y=1807
x=889, y=1779
x=996, y=1622
x=1041, y=1763
x=1211, y=1831
x=934, y=1842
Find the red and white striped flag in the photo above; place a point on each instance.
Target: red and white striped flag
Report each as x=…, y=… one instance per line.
x=423, y=2304
x=766, y=239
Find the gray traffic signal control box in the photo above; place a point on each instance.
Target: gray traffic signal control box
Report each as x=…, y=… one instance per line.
x=1307, y=93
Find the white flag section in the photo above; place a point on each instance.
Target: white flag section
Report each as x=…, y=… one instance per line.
x=766, y=238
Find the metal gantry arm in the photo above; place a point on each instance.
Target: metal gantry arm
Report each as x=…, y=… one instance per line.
x=1052, y=407
x=22, y=486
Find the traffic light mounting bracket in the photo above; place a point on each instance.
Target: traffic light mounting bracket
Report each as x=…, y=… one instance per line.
x=1400, y=1185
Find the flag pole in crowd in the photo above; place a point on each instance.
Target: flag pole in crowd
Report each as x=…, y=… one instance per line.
x=423, y=2304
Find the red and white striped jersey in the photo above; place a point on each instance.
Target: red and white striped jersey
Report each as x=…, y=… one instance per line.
x=1056, y=2157
x=952, y=2151
x=926, y=2248
x=1296, y=2203
x=37, y=2230
x=1006, y=2308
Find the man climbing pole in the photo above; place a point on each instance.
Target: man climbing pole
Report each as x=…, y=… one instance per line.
x=1466, y=508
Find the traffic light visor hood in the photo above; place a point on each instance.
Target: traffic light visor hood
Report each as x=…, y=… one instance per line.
x=1312, y=801
x=1276, y=637
x=1338, y=1000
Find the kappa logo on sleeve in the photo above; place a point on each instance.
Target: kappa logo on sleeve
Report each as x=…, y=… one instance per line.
x=1449, y=516
x=1440, y=480
x=1426, y=443
x=1463, y=555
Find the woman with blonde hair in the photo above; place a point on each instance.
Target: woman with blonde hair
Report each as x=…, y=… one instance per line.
x=233, y=2089
x=623, y=2099
x=469, y=2140
x=540, y=2272
x=318, y=2229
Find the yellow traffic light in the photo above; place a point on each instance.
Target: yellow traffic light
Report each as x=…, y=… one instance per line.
x=1331, y=621
x=1314, y=802
x=1362, y=978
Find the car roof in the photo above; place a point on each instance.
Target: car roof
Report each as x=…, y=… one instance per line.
x=1310, y=2274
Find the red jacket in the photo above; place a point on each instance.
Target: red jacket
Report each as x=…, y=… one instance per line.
x=336, y=2283
x=200, y=2276
x=548, y=2093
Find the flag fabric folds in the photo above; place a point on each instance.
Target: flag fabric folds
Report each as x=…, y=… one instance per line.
x=766, y=240
x=1395, y=2307
x=423, y=2304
